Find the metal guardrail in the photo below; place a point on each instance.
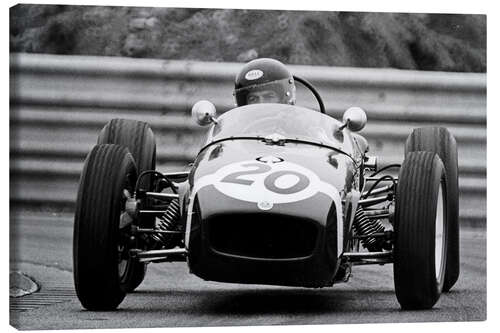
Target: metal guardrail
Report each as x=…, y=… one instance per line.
x=59, y=104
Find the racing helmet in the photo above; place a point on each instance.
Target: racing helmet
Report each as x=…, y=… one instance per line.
x=261, y=75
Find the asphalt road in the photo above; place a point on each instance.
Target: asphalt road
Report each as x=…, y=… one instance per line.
x=171, y=297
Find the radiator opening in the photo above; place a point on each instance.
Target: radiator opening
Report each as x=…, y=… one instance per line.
x=269, y=236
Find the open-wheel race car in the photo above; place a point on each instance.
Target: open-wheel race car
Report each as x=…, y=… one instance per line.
x=278, y=195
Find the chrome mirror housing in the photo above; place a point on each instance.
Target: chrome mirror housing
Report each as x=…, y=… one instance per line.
x=204, y=112
x=354, y=118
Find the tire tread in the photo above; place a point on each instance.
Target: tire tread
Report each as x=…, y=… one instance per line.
x=96, y=230
x=440, y=141
x=414, y=275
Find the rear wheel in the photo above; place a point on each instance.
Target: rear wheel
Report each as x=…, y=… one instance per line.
x=440, y=141
x=102, y=267
x=420, y=227
x=138, y=137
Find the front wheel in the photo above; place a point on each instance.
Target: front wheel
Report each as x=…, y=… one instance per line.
x=101, y=265
x=440, y=141
x=138, y=137
x=420, y=228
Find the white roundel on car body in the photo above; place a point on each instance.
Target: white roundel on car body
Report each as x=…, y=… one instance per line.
x=274, y=183
x=266, y=184
x=254, y=74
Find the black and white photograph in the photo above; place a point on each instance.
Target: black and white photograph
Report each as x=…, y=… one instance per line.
x=225, y=166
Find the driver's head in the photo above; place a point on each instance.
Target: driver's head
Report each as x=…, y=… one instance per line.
x=264, y=80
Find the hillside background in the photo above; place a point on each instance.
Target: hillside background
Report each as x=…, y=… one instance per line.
x=444, y=42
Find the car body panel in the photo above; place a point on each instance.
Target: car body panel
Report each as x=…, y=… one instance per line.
x=269, y=212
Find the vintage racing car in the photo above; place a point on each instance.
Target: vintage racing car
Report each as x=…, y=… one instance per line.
x=279, y=194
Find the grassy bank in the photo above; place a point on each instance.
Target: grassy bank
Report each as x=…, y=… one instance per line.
x=407, y=41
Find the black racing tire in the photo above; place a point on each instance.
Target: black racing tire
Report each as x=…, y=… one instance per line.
x=138, y=137
x=440, y=141
x=420, y=219
x=102, y=270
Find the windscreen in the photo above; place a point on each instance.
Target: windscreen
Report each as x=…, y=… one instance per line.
x=289, y=121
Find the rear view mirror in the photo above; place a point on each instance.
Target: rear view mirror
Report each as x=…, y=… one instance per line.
x=204, y=113
x=354, y=118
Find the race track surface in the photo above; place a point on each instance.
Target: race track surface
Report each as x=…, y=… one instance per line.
x=41, y=247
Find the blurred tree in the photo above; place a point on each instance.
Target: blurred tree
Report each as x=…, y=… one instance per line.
x=446, y=42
